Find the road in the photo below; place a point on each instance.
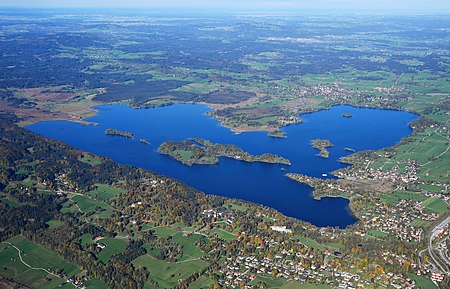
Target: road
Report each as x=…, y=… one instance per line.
x=37, y=268
x=440, y=258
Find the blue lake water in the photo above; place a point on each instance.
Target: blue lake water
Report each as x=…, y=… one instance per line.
x=256, y=182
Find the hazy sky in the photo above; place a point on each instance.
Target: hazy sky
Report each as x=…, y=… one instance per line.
x=288, y=5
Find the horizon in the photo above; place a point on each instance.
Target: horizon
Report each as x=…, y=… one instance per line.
x=379, y=7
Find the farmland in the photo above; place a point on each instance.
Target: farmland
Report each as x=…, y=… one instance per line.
x=103, y=191
x=75, y=215
x=113, y=246
x=35, y=256
x=165, y=273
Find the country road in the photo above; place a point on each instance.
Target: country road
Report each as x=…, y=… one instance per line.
x=36, y=268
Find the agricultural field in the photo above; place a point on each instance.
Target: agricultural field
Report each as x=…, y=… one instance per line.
x=224, y=235
x=97, y=208
x=396, y=196
x=297, y=285
x=166, y=274
x=423, y=282
x=190, y=251
x=268, y=281
x=93, y=161
x=95, y=284
x=113, y=246
x=237, y=207
x=103, y=191
x=202, y=283
x=37, y=257
x=164, y=232
x=311, y=243
x=429, y=148
x=436, y=205
x=255, y=74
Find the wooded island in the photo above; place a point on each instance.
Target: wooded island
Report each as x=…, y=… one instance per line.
x=204, y=152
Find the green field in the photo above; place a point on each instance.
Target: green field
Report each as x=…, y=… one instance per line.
x=201, y=283
x=94, y=284
x=113, y=246
x=236, y=207
x=435, y=205
x=54, y=223
x=86, y=239
x=69, y=208
x=164, y=232
x=93, y=161
x=429, y=149
x=377, y=234
x=184, y=155
x=182, y=227
x=41, y=280
x=98, y=208
x=268, y=281
x=422, y=282
x=37, y=257
x=421, y=223
x=224, y=235
x=103, y=191
x=335, y=246
x=310, y=243
x=167, y=274
x=431, y=188
x=297, y=285
x=400, y=195
x=148, y=226
x=189, y=249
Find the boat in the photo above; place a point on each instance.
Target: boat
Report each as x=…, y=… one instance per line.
x=324, y=175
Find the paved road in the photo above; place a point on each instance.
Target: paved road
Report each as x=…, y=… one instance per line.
x=440, y=260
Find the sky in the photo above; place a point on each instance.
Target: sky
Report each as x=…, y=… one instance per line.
x=417, y=6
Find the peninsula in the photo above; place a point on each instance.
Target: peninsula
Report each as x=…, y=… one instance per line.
x=111, y=131
x=322, y=145
x=204, y=152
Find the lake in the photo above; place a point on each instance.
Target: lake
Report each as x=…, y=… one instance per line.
x=256, y=182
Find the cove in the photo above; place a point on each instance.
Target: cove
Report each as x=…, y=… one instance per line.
x=256, y=182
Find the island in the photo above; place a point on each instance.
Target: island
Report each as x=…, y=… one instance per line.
x=187, y=153
x=111, y=131
x=277, y=133
x=322, y=145
x=347, y=115
x=144, y=141
x=60, y=205
x=200, y=151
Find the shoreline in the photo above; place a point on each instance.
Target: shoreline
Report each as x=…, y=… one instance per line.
x=96, y=110
x=236, y=130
